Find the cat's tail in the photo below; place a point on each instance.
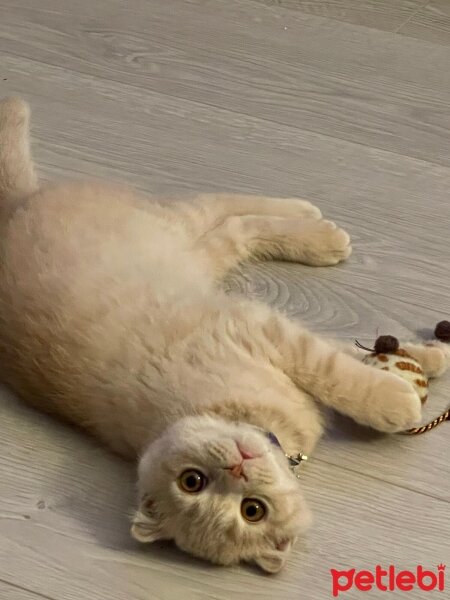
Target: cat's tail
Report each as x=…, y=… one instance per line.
x=17, y=175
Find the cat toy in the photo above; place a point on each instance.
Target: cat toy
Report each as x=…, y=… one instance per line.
x=388, y=356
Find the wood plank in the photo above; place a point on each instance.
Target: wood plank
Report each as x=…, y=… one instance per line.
x=374, y=88
x=13, y=592
x=376, y=14
x=431, y=23
x=81, y=120
x=64, y=508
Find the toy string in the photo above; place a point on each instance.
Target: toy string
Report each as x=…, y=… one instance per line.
x=424, y=428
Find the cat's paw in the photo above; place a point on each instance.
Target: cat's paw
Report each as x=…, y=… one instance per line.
x=308, y=210
x=434, y=357
x=296, y=208
x=326, y=244
x=393, y=404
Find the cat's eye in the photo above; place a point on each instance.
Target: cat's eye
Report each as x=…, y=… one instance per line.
x=253, y=510
x=192, y=481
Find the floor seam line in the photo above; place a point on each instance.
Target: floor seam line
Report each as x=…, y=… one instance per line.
x=25, y=589
x=398, y=30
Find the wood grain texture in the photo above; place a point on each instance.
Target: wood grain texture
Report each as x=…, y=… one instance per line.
x=431, y=23
x=207, y=94
x=13, y=592
x=386, y=15
x=374, y=88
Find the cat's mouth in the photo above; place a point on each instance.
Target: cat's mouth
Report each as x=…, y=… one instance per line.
x=237, y=471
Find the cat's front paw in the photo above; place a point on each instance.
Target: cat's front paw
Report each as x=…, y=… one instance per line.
x=326, y=244
x=393, y=404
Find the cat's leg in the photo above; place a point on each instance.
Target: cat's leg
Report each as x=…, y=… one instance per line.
x=206, y=211
x=313, y=242
x=370, y=396
x=220, y=206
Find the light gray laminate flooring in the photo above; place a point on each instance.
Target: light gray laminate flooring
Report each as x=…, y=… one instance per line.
x=343, y=102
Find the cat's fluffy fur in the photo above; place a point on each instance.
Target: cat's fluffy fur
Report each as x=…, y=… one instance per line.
x=111, y=317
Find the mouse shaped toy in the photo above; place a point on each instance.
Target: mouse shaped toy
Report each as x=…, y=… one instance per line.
x=389, y=356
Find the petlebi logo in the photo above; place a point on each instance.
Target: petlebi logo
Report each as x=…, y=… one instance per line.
x=388, y=579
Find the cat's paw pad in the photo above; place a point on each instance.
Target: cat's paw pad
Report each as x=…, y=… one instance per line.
x=394, y=405
x=328, y=244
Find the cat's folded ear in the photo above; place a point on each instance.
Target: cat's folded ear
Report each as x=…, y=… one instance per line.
x=274, y=560
x=148, y=525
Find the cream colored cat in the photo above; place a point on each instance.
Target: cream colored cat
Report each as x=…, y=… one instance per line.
x=111, y=317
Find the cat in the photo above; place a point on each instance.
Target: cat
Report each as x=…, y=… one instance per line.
x=112, y=317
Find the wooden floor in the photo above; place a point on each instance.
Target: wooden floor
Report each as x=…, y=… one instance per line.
x=344, y=102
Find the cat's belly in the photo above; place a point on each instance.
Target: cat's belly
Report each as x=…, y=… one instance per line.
x=93, y=292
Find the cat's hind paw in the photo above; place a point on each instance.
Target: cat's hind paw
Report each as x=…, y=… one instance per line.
x=325, y=244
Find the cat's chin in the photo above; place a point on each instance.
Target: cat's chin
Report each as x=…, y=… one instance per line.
x=195, y=481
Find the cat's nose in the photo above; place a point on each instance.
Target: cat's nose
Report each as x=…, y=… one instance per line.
x=246, y=454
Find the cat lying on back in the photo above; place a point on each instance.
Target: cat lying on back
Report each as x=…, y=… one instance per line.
x=112, y=317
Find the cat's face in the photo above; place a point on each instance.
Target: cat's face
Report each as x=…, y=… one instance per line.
x=221, y=491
